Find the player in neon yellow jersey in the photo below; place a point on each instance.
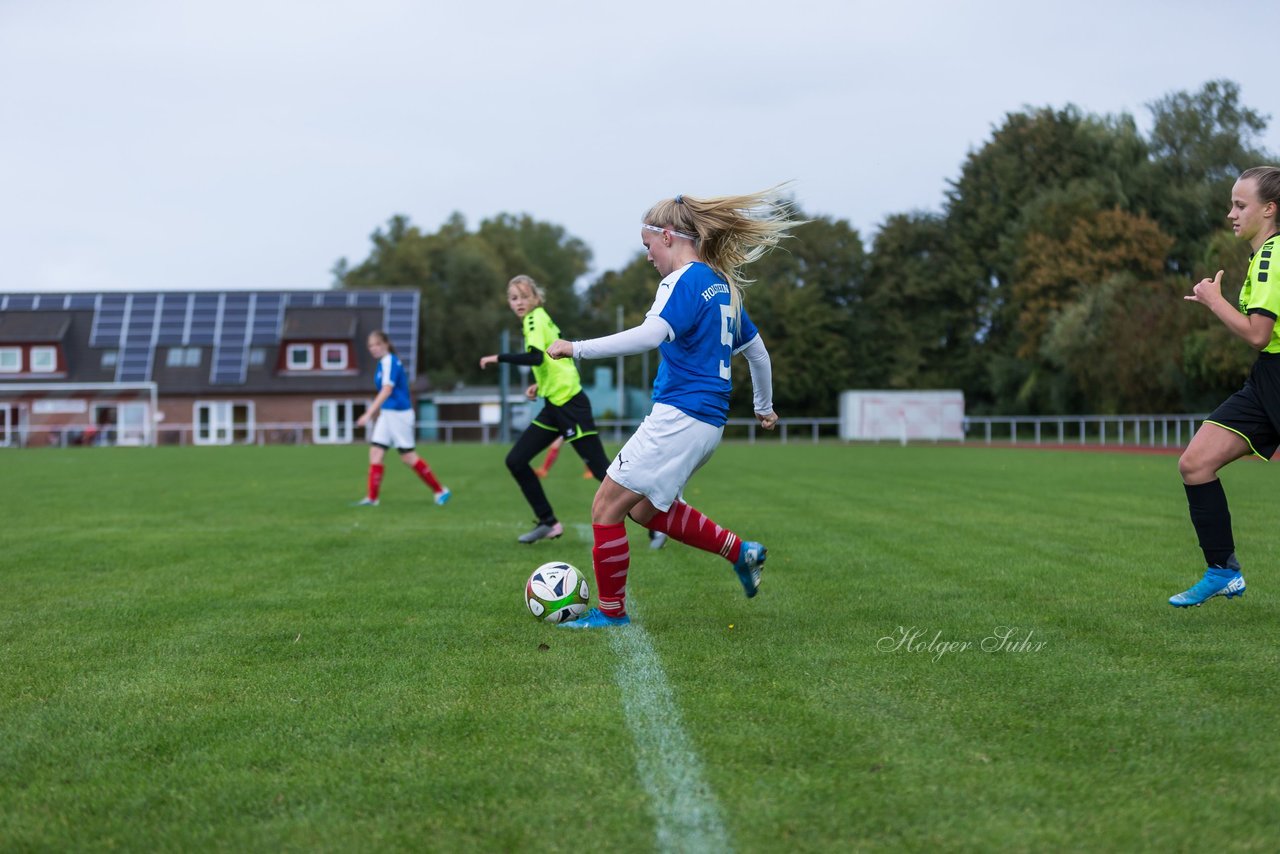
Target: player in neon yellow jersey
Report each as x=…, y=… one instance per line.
x=1248, y=422
x=567, y=413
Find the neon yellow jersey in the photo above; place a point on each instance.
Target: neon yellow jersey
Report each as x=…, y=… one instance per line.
x=1261, y=291
x=557, y=379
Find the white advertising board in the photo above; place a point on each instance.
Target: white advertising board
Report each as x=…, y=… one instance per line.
x=59, y=406
x=902, y=416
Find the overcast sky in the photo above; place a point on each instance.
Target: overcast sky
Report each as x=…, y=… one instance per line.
x=148, y=145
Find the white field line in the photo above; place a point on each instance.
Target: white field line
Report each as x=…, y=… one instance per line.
x=686, y=814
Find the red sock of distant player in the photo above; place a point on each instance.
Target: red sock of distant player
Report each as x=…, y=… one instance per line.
x=552, y=453
x=424, y=472
x=375, y=480
x=610, y=558
x=685, y=525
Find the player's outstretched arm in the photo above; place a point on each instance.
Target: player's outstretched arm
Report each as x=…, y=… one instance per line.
x=629, y=342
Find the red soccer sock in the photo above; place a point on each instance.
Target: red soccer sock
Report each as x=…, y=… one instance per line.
x=424, y=472
x=552, y=453
x=685, y=525
x=375, y=479
x=610, y=558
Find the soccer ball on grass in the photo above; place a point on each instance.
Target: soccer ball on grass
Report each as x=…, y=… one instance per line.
x=557, y=592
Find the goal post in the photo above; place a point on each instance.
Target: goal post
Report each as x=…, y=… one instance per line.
x=902, y=416
x=61, y=414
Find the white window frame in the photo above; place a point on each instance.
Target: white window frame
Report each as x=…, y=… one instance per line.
x=13, y=357
x=44, y=350
x=221, y=428
x=329, y=347
x=333, y=421
x=300, y=348
x=182, y=357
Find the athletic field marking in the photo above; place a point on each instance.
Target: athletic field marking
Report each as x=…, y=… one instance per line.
x=686, y=813
x=583, y=530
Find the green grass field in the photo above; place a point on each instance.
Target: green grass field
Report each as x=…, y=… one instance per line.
x=207, y=649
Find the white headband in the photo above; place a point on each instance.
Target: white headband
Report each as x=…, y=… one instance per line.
x=660, y=230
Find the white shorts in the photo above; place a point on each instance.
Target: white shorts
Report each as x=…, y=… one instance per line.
x=663, y=454
x=393, y=429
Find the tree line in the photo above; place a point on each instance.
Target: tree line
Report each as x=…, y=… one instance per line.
x=1049, y=283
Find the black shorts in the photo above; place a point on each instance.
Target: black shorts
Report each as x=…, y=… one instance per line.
x=573, y=420
x=1254, y=411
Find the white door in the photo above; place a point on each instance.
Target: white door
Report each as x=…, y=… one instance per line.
x=133, y=423
x=334, y=421
x=8, y=425
x=223, y=422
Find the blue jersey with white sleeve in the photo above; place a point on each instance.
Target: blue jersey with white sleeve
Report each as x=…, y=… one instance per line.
x=694, y=376
x=391, y=372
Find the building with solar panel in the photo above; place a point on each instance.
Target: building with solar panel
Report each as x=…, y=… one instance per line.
x=202, y=367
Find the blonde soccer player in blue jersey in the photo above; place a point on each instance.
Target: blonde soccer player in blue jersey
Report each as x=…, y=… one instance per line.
x=697, y=323
x=1248, y=422
x=566, y=415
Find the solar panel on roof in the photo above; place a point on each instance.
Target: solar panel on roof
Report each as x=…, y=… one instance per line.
x=367, y=299
x=240, y=313
x=173, y=319
x=268, y=318
x=229, y=363
x=231, y=350
x=137, y=341
x=108, y=321
x=400, y=320
x=20, y=302
x=80, y=302
x=204, y=319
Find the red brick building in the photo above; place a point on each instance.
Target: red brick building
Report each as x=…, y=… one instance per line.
x=200, y=367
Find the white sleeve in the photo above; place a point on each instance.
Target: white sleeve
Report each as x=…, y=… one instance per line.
x=637, y=339
x=386, y=371
x=761, y=374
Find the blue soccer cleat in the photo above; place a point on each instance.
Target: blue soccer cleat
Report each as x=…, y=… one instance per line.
x=1216, y=582
x=750, y=563
x=596, y=619
x=443, y=496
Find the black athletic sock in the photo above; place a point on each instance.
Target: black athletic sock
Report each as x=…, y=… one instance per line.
x=1212, y=520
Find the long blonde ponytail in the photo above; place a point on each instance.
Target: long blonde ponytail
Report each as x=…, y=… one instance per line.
x=730, y=232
